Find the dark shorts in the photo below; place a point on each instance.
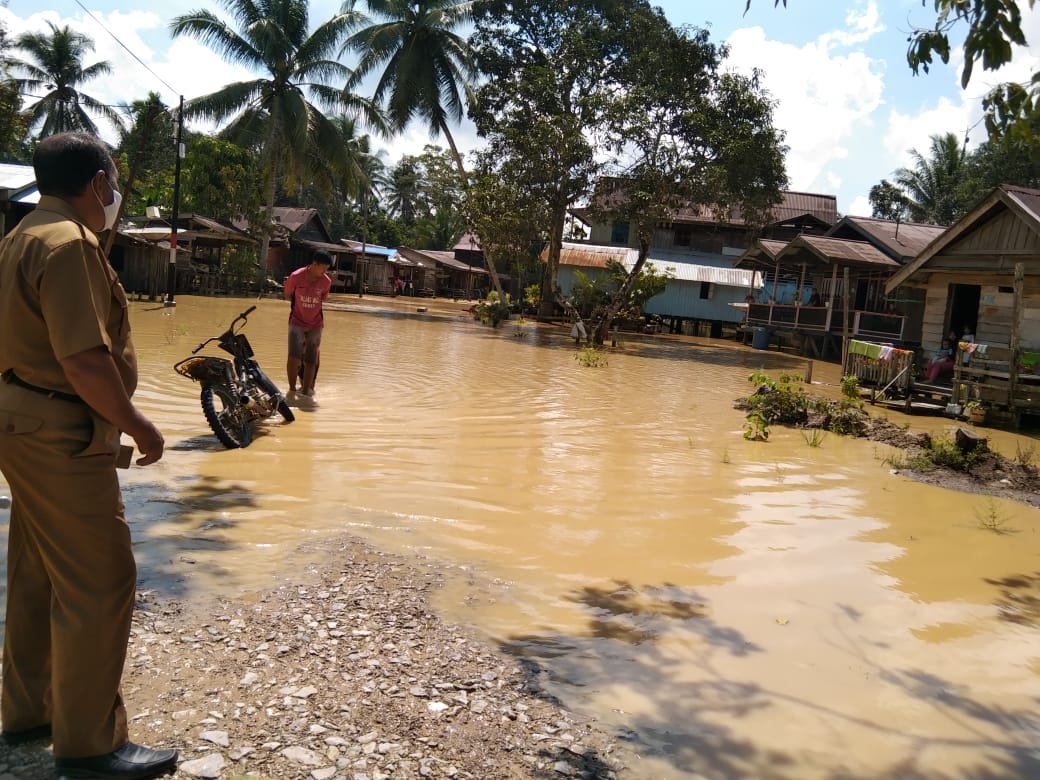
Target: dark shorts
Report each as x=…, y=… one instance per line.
x=304, y=343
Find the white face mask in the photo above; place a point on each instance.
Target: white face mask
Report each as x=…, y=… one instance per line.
x=112, y=209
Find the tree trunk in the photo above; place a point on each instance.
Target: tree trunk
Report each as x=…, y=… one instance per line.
x=603, y=326
x=547, y=304
x=492, y=271
x=265, y=232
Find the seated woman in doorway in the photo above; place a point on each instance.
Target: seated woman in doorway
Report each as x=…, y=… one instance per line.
x=940, y=363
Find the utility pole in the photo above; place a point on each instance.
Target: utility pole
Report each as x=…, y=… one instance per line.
x=171, y=275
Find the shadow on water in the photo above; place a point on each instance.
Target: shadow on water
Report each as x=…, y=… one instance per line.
x=688, y=729
x=200, y=512
x=1019, y=600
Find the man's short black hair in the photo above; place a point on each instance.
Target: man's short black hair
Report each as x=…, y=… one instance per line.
x=65, y=163
x=322, y=257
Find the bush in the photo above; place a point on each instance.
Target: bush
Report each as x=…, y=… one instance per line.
x=492, y=311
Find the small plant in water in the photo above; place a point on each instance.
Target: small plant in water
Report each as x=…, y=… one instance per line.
x=814, y=436
x=590, y=357
x=781, y=475
x=756, y=427
x=1024, y=455
x=850, y=387
x=992, y=518
x=725, y=456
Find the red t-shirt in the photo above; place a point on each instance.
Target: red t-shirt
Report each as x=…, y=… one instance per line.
x=306, y=295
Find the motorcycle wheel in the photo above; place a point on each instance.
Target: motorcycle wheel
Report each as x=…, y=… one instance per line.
x=226, y=417
x=285, y=411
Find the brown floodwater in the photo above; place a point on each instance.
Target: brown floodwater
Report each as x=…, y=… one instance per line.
x=734, y=609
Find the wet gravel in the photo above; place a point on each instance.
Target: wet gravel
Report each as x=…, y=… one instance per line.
x=346, y=674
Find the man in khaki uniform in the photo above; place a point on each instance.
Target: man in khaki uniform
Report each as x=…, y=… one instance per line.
x=69, y=370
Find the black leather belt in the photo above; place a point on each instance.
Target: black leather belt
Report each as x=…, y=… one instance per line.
x=11, y=378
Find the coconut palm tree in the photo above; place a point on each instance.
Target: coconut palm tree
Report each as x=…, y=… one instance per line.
x=54, y=67
x=427, y=67
x=281, y=113
x=933, y=184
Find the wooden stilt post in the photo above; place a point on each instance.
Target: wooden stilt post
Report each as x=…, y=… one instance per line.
x=1015, y=358
x=845, y=300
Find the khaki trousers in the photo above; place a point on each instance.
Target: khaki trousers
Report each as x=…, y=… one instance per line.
x=71, y=574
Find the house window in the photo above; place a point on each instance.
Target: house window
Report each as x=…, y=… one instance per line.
x=706, y=290
x=683, y=234
x=619, y=233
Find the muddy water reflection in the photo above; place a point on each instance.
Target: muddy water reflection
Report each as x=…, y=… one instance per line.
x=741, y=610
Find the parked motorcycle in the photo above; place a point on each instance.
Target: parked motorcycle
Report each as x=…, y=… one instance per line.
x=235, y=393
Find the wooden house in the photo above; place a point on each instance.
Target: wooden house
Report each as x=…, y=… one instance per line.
x=443, y=274
x=202, y=242
x=696, y=295
x=982, y=276
x=699, y=248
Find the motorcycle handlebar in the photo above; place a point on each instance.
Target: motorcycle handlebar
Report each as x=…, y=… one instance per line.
x=247, y=312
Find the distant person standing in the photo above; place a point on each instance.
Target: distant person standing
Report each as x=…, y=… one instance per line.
x=306, y=289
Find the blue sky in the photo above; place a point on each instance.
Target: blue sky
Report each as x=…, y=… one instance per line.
x=847, y=100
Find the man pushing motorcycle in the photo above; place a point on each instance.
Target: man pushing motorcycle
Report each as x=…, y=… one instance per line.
x=306, y=288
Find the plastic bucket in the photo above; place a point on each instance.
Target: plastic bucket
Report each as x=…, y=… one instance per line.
x=760, y=338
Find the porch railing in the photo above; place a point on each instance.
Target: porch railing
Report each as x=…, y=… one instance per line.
x=821, y=319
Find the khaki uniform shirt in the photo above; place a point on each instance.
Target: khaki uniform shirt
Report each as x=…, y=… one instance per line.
x=59, y=297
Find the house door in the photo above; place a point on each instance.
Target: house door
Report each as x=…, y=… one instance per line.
x=963, y=310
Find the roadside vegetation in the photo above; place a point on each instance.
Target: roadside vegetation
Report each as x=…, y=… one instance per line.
x=958, y=458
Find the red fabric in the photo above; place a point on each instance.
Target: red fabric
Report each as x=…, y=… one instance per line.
x=307, y=294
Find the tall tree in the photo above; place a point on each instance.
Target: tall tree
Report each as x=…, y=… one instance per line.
x=551, y=65
x=932, y=186
x=13, y=124
x=146, y=155
x=281, y=113
x=683, y=132
x=54, y=71
x=427, y=67
x=219, y=179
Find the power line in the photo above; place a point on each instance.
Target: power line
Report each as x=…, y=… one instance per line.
x=127, y=50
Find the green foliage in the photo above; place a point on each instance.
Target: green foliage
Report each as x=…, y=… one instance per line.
x=756, y=426
x=219, y=179
x=532, y=296
x=591, y=356
x=779, y=400
x=814, y=436
x=850, y=387
x=492, y=311
x=945, y=452
x=54, y=67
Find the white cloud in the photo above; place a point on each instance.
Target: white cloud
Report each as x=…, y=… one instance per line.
x=860, y=207
x=914, y=131
x=823, y=97
x=862, y=25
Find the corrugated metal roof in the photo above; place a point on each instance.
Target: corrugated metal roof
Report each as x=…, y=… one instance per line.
x=338, y=249
x=1027, y=198
x=596, y=256
x=902, y=240
x=428, y=256
x=16, y=177
x=593, y=255
x=837, y=250
x=794, y=204
x=693, y=272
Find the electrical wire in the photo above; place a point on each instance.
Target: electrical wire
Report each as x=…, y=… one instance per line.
x=125, y=48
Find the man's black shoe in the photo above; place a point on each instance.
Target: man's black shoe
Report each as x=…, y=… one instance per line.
x=26, y=735
x=130, y=762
